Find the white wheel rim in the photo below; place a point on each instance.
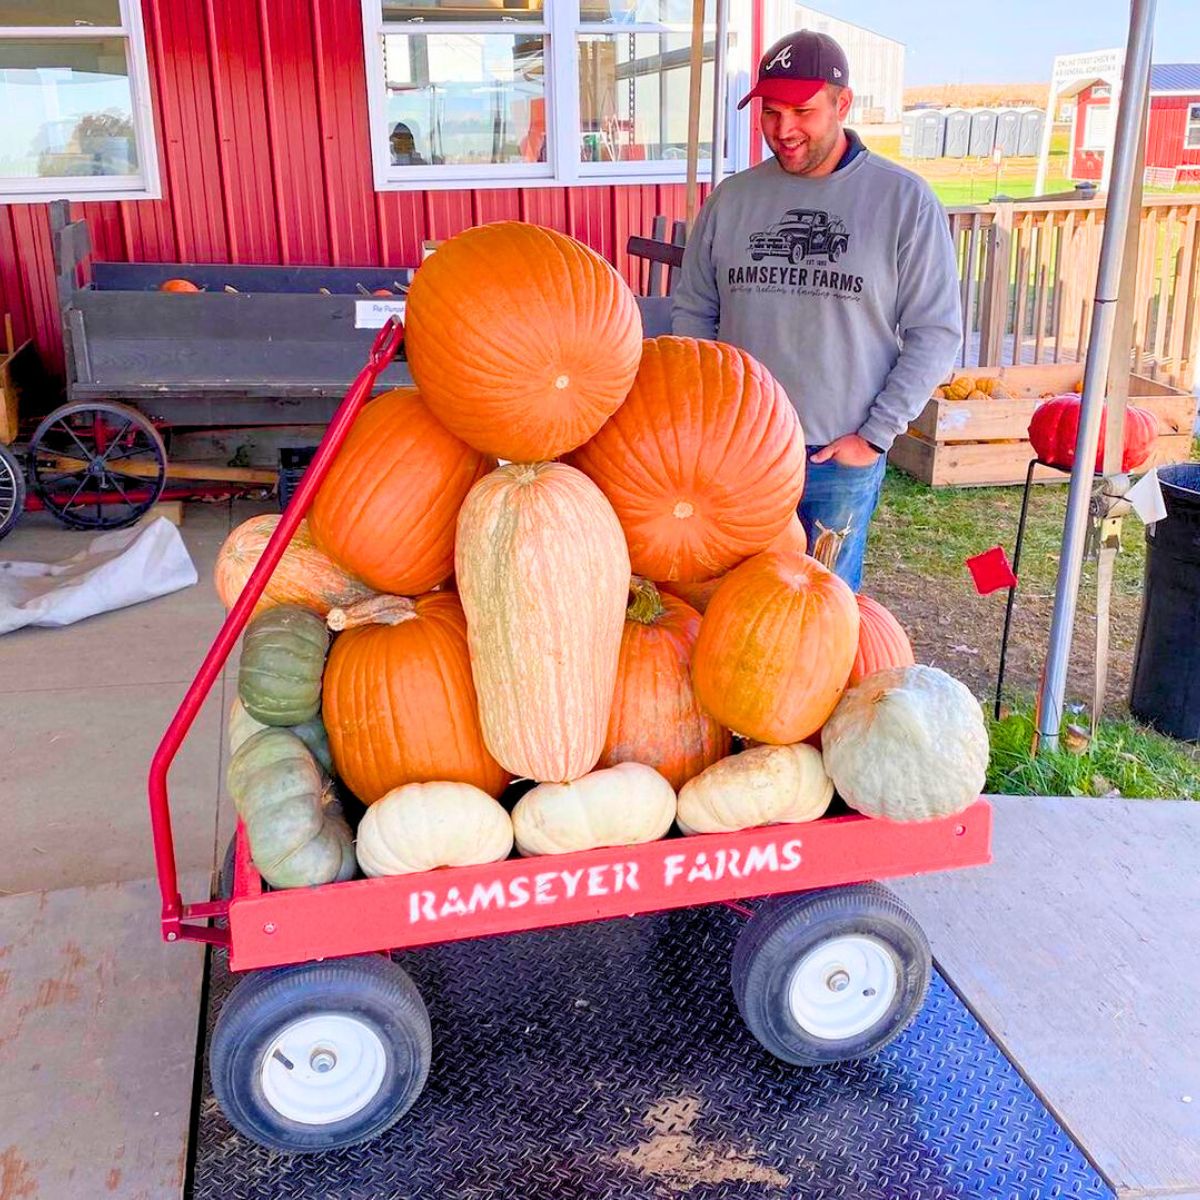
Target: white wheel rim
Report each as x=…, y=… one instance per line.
x=323, y=1069
x=843, y=986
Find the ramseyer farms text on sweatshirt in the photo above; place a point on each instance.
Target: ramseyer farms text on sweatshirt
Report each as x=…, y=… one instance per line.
x=844, y=287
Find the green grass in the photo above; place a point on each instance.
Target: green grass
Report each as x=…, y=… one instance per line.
x=1125, y=758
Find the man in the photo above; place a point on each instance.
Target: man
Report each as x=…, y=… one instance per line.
x=835, y=269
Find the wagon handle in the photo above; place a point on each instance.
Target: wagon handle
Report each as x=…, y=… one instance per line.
x=383, y=350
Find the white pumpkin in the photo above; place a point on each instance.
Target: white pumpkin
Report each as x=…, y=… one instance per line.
x=907, y=744
x=422, y=826
x=766, y=785
x=617, y=806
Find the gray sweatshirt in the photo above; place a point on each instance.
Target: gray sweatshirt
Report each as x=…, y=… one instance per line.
x=844, y=287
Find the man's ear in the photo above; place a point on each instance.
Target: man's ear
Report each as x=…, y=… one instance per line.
x=845, y=99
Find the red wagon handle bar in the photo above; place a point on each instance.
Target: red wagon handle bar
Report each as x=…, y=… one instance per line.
x=383, y=350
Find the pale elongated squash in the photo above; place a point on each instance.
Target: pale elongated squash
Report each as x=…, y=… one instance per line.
x=543, y=574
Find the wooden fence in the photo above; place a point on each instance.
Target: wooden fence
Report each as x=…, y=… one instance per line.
x=1028, y=276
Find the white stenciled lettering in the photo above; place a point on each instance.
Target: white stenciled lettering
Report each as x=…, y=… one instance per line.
x=673, y=868
x=762, y=858
x=542, y=892
x=700, y=869
x=453, y=905
x=627, y=877
x=571, y=882
x=486, y=895
x=518, y=891
x=420, y=907
x=595, y=884
x=791, y=854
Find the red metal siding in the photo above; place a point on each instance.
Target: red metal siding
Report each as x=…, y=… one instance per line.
x=1168, y=124
x=264, y=152
x=1085, y=164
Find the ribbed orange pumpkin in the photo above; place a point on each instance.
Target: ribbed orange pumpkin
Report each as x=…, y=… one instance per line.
x=882, y=642
x=304, y=575
x=656, y=718
x=386, y=510
x=703, y=463
x=543, y=573
x=522, y=340
x=698, y=595
x=399, y=702
x=776, y=647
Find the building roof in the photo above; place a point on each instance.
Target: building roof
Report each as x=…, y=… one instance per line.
x=1175, y=77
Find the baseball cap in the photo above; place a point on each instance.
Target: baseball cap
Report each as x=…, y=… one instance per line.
x=797, y=67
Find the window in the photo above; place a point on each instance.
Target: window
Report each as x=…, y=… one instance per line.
x=1191, y=136
x=478, y=93
x=75, y=94
x=1097, y=127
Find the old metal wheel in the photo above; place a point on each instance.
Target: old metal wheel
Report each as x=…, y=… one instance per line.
x=12, y=490
x=97, y=465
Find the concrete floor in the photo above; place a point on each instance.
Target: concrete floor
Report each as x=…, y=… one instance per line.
x=1073, y=948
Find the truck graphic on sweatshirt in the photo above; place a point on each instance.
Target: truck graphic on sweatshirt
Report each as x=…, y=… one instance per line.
x=802, y=233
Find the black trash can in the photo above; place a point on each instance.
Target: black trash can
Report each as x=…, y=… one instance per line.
x=1166, y=672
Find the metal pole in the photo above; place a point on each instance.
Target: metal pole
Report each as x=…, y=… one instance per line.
x=1108, y=278
x=696, y=65
x=719, y=122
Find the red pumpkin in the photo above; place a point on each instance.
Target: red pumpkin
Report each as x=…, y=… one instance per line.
x=177, y=285
x=882, y=642
x=399, y=701
x=522, y=340
x=1055, y=426
x=387, y=509
x=776, y=647
x=656, y=718
x=703, y=463
x=698, y=595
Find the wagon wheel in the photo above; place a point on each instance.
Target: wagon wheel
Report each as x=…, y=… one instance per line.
x=12, y=490
x=97, y=465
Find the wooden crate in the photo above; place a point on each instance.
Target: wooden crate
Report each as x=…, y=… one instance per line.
x=974, y=443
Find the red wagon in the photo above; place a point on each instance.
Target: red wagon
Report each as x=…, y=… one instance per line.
x=326, y=1041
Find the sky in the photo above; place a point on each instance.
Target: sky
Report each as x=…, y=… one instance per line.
x=1015, y=40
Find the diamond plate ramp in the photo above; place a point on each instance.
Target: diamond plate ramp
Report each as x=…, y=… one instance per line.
x=608, y=1061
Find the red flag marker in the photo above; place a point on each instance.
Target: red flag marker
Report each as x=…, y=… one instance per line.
x=991, y=571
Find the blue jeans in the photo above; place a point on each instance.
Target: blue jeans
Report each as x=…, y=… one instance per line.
x=839, y=503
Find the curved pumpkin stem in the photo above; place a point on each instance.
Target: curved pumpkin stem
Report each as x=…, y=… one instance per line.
x=645, y=605
x=828, y=546
x=375, y=610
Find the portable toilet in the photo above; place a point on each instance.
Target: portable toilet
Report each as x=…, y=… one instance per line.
x=908, y=127
x=1033, y=123
x=983, y=132
x=958, y=133
x=929, y=135
x=1008, y=131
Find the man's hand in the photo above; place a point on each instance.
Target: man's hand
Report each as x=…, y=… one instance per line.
x=849, y=451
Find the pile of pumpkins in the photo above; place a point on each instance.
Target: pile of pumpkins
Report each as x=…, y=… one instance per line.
x=570, y=558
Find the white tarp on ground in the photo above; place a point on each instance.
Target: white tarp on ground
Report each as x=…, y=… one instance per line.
x=115, y=570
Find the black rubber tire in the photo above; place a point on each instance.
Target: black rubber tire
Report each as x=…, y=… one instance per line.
x=371, y=989
x=12, y=490
x=225, y=875
x=785, y=929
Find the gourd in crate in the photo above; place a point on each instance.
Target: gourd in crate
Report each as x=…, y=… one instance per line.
x=297, y=833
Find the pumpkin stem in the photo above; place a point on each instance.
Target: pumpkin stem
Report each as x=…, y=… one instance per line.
x=646, y=605
x=374, y=610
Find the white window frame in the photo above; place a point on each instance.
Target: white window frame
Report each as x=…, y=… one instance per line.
x=1191, y=125
x=562, y=28
x=146, y=185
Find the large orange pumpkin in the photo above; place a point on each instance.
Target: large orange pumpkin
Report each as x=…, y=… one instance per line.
x=304, y=575
x=399, y=702
x=776, y=647
x=656, y=718
x=698, y=595
x=386, y=510
x=522, y=340
x=703, y=463
x=882, y=642
x=543, y=573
